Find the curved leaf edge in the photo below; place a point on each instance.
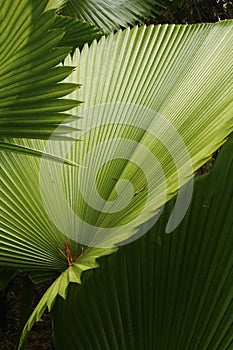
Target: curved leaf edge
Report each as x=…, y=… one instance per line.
x=60, y=286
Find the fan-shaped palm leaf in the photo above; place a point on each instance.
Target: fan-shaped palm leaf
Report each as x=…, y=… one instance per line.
x=156, y=85
x=151, y=67
x=169, y=69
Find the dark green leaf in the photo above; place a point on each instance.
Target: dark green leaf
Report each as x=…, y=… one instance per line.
x=162, y=291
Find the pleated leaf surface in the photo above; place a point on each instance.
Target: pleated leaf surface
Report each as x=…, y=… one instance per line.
x=77, y=32
x=160, y=76
x=163, y=291
x=30, y=89
x=110, y=15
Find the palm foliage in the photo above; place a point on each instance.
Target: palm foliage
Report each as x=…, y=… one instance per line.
x=29, y=239
x=162, y=291
x=108, y=15
x=149, y=95
x=155, y=83
x=29, y=85
x=33, y=43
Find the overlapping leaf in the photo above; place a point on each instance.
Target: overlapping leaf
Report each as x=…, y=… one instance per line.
x=179, y=72
x=31, y=96
x=110, y=15
x=56, y=4
x=77, y=32
x=60, y=285
x=163, y=291
x=33, y=43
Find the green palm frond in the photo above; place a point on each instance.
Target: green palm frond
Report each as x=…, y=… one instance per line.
x=161, y=71
x=60, y=286
x=33, y=43
x=77, y=32
x=162, y=291
x=110, y=15
x=55, y=4
x=162, y=89
x=31, y=96
x=13, y=147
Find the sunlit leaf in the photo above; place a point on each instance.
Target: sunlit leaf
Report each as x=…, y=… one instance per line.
x=166, y=73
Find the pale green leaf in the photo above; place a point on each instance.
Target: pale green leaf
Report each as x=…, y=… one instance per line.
x=179, y=73
x=55, y=4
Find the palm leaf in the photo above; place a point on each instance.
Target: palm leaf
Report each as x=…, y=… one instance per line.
x=77, y=32
x=12, y=147
x=29, y=83
x=141, y=87
x=108, y=15
x=55, y=4
x=162, y=291
x=156, y=85
x=32, y=102
x=60, y=285
x=151, y=67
